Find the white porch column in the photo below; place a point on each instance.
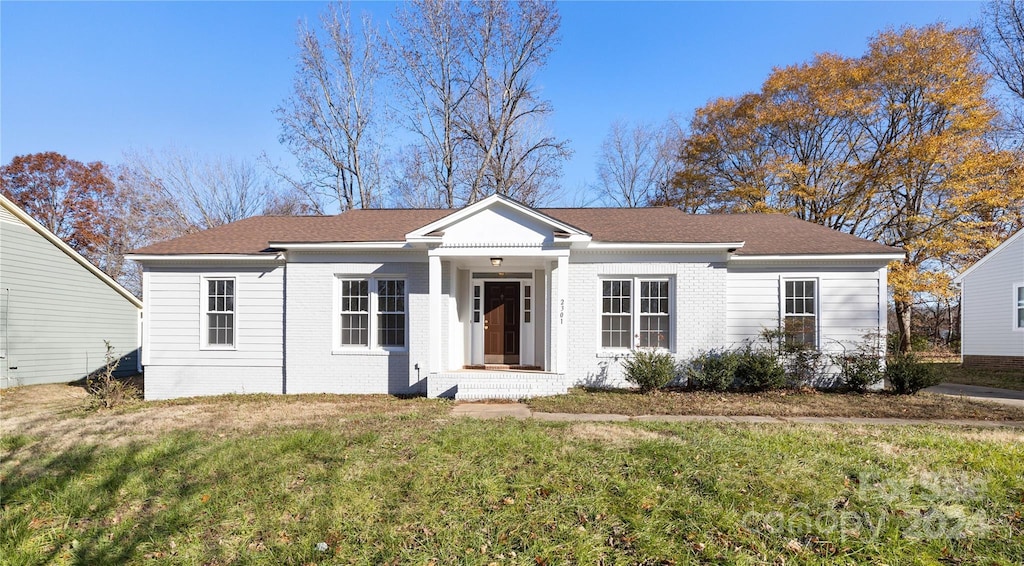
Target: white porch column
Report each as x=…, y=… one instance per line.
x=434, y=288
x=561, y=314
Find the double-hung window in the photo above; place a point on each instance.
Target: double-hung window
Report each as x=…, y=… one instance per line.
x=355, y=312
x=220, y=312
x=1018, y=295
x=372, y=313
x=391, y=312
x=635, y=312
x=800, y=312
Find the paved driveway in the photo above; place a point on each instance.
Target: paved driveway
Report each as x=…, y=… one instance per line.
x=993, y=394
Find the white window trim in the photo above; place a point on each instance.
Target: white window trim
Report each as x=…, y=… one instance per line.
x=372, y=347
x=1015, y=307
x=204, y=319
x=817, y=306
x=634, y=312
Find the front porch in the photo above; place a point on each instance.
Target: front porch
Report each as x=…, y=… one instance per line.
x=495, y=384
x=497, y=287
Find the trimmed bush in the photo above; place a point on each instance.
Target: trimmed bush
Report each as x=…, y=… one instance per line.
x=858, y=372
x=649, y=370
x=712, y=371
x=759, y=370
x=908, y=375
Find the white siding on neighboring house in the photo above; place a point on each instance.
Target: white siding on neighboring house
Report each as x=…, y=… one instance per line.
x=177, y=361
x=989, y=304
x=848, y=302
x=698, y=301
x=316, y=363
x=55, y=313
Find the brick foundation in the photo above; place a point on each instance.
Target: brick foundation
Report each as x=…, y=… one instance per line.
x=1001, y=363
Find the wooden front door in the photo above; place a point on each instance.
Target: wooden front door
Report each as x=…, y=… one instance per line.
x=501, y=323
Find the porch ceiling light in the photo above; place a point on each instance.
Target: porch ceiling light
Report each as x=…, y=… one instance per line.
x=496, y=261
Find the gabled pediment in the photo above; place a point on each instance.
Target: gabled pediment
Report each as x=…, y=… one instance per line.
x=497, y=221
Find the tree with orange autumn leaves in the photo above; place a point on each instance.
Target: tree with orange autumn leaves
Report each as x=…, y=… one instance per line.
x=66, y=196
x=898, y=146
x=84, y=204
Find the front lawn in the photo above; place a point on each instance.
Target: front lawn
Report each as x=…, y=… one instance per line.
x=781, y=403
x=379, y=480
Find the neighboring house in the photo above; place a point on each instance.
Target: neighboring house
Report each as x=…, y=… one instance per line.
x=493, y=300
x=57, y=308
x=992, y=308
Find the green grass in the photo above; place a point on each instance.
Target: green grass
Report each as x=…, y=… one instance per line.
x=421, y=488
x=782, y=403
x=953, y=372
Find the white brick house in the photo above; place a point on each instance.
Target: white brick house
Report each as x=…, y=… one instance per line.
x=493, y=300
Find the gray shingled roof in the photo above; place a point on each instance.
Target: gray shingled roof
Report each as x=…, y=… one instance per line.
x=764, y=234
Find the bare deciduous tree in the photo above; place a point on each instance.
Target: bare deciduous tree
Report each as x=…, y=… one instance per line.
x=427, y=63
x=636, y=163
x=192, y=193
x=462, y=78
x=1002, y=44
x=507, y=43
x=332, y=123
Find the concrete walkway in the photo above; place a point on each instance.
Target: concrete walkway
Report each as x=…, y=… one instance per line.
x=978, y=393
x=521, y=411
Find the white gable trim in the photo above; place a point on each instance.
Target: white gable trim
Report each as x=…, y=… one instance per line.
x=960, y=278
x=68, y=250
x=426, y=234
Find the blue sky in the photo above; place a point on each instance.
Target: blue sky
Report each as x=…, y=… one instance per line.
x=92, y=80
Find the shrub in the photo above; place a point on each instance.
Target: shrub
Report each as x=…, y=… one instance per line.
x=759, y=370
x=859, y=371
x=712, y=371
x=649, y=369
x=104, y=389
x=920, y=343
x=892, y=343
x=908, y=375
x=803, y=364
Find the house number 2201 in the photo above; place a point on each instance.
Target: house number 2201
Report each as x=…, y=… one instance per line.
x=561, y=312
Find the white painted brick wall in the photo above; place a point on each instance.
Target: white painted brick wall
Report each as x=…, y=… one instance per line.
x=170, y=382
x=313, y=367
x=700, y=313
